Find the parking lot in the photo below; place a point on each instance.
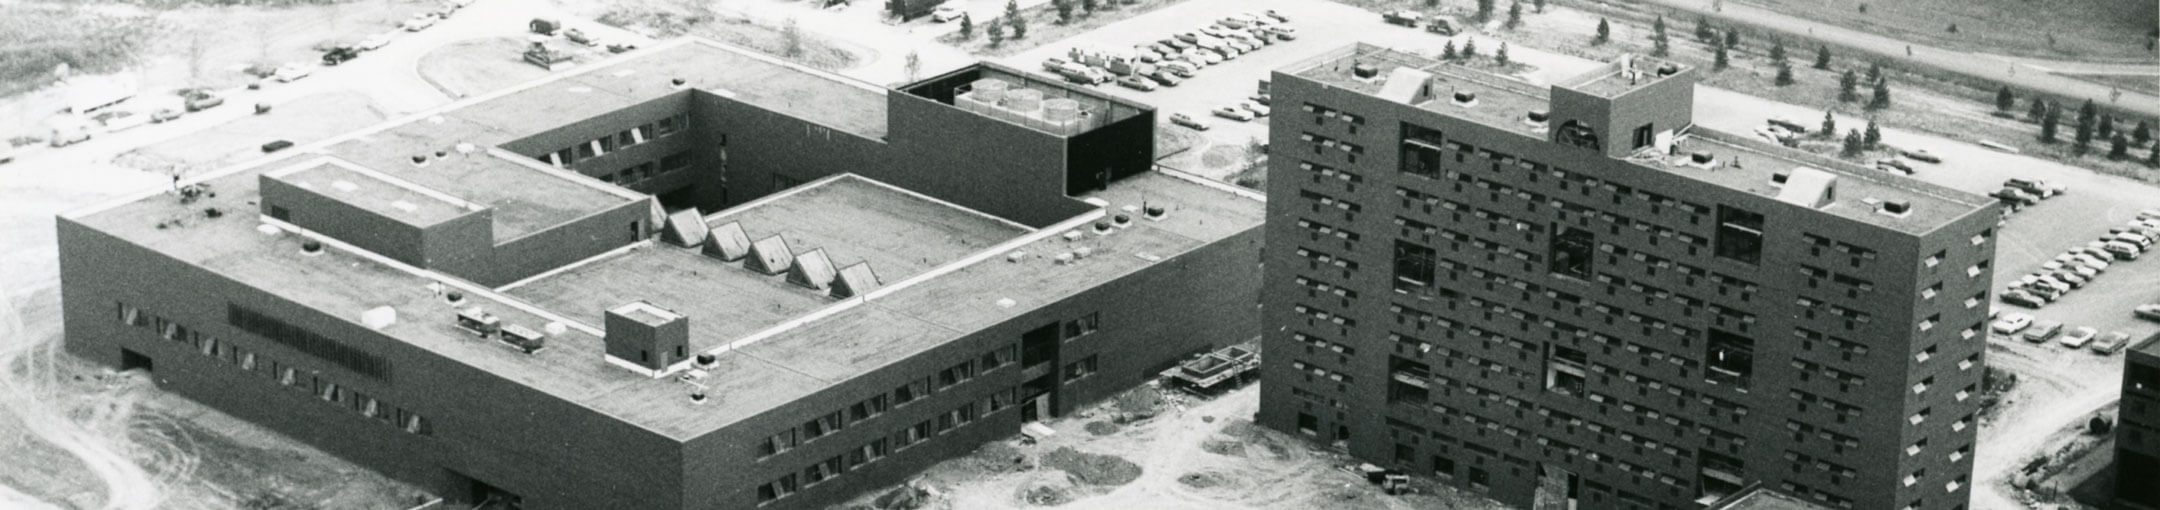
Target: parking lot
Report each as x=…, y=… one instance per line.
x=1321, y=26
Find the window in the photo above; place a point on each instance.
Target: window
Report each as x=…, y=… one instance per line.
x=1082, y=326
x=1564, y=372
x=777, y=443
x=1739, y=235
x=781, y=488
x=1569, y=253
x=1080, y=369
x=676, y=161
x=671, y=124
x=1730, y=359
x=1413, y=265
x=1421, y=148
x=1308, y=425
x=911, y=391
x=307, y=341
x=1643, y=136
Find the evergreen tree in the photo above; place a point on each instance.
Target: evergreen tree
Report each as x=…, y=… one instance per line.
x=1874, y=72
x=2087, y=111
x=1448, y=52
x=1540, y=6
x=1661, y=45
x=1703, y=31
x=2048, y=124
x=1514, y=15
x=2142, y=133
x=1829, y=125
x=1469, y=49
x=1064, y=10
x=1873, y=136
x=2086, y=115
x=2038, y=110
x=2153, y=159
x=1822, y=57
x=967, y=27
x=1853, y=146
x=1777, y=51
x=1848, y=87
x=2004, y=99
x=1723, y=60
x=1019, y=26
x=1882, y=96
x=1732, y=38
x=996, y=30
x=1784, y=74
x=1604, y=32
x=2118, y=147
x=1501, y=55
x=1088, y=5
x=2106, y=129
x=1484, y=10
x=1012, y=9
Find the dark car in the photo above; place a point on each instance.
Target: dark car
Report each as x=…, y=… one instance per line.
x=2022, y=298
x=1404, y=18
x=277, y=145
x=1922, y=155
x=2149, y=312
x=2015, y=197
x=339, y=55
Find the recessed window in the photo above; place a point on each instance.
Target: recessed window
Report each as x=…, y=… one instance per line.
x=1739, y=235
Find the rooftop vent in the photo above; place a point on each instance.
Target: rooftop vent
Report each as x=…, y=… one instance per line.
x=1082, y=252
x=1703, y=160
x=679, y=83
x=1537, y=116
x=1121, y=220
x=728, y=242
x=1809, y=187
x=419, y=160
x=1073, y=235
x=813, y=270
x=1064, y=258
x=1895, y=207
x=1364, y=71
x=706, y=360
x=440, y=154
x=524, y=339
x=1015, y=256
x=478, y=322
x=685, y=228
x=1155, y=212
x=697, y=397
x=311, y=247
x=1102, y=227
x=770, y=255
x=1778, y=179
x=1668, y=69
x=856, y=280
x=1465, y=98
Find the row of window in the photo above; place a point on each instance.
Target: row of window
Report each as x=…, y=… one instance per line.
x=290, y=376
x=881, y=446
x=878, y=404
x=307, y=341
x=641, y=172
x=606, y=144
x=1425, y=149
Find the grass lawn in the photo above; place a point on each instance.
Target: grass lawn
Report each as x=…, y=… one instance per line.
x=2140, y=83
x=1043, y=27
x=478, y=66
x=669, y=18
x=2079, y=29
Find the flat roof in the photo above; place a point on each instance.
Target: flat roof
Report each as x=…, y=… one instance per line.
x=943, y=268
x=383, y=195
x=2150, y=345
x=1743, y=163
x=1608, y=81
x=761, y=80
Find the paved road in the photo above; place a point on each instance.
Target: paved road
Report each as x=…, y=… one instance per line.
x=1976, y=65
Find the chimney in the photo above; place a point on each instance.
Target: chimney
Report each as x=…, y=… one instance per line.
x=646, y=338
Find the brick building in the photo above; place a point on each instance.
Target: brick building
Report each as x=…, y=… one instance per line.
x=686, y=277
x=1569, y=296
x=2137, y=432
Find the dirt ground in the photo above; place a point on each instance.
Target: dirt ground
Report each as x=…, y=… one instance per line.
x=328, y=114
x=478, y=66
x=668, y=18
x=2070, y=458
x=1198, y=454
x=2088, y=30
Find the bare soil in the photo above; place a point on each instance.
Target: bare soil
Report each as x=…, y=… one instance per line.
x=1092, y=468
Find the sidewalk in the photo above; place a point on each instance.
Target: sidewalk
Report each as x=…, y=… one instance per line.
x=1988, y=67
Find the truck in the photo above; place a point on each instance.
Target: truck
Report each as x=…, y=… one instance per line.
x=1404, y=18
x=540, y=54
x=1443, y=25
x=65, y=130
x=1208, y=372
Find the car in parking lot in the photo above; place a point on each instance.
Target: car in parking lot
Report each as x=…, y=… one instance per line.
x=2036, y=187
x=1165, y=77
x=1921, y=155
x=1203, y=57
x=2077, y=338
x=1136, y=83
x=1188, y=121
x=2075, y=278
x=376, y=41
x=289, y=72
x=1179, y=67
x=1053, y=64
x=2015, y=197
x=2122, y=250
x=2042, y=331
x=2022, y=298
x=2047, y=294
x=2111, y=342
x=580, y=37
x=1233, y=113
x=1257, y=109
x=2011, y=323
x=198, y=99
x=1893, y=164
x=2148, y=311
x=1284, y=32
x=1404, y=18
x=947, y=12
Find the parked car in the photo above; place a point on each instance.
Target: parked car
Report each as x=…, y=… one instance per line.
x=1790, y=124
x=2122, y=250
x=289, y=72
x=420, y=22
x=947, y=12
x=1921, y=155
x=1233, y=113
x=619, y=47
x=2036, y=187
x=2147, y=311
x=2149, y=214
x=1258, y=110
x=1188, y=121
x=1263, y=99
x=276, y=145
x=1233, y=22
x=1284, y=32
x=117, y=120
x=1443, y=25
x=1136, y=83
x=2022, y=298
x=2015, y=197
x=2046, y=293
x=580, y=37
x=2012, y=323
x=1893, y=164
x=1404, y=18
x=2111, y=342
x=2071, y=276
x=2077, y=338
x=1180, y=67
x=1053, y=64
x=1165, y=77
x=376, y=41
x=2042, y=331
x=198, y=100
x=339, y=55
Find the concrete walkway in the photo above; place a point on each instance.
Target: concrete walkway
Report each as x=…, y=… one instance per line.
x=1990, y=67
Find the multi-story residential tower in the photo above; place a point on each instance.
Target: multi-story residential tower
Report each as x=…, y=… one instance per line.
x=1572, y=297
x=2137, y=432
x=472, y=298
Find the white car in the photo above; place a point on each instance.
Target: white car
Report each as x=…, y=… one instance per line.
x=1257, y=109
x=947, y=12
x=289, y=72
x=2012, y=323
x=2088, y=260
x=376, y=41
x=118, y=120
x=2079, y=337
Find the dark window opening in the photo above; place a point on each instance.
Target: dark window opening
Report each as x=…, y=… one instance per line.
x=1421, y=150
x=1643, y=136
x=1413, y=265
x=2137, y=466
x=1720, y=474
x=1569, y=253
x=1739, y=235
x=1308, y=424
x=1576, y=134
x=1039, y=345
x=130, y=360
x=1564, y=370
x=1408, y=381
x=280, y=214
x=1730, y=359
